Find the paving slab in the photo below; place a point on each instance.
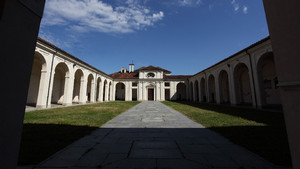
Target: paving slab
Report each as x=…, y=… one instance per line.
x=152, y=135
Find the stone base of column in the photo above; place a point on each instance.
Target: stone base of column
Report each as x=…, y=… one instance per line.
x=40, y=106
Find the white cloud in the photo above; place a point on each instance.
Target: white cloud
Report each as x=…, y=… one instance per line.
x=95, y=15
x=236, y=6
x=189, y=3
x=67, y=43
x=245, y=9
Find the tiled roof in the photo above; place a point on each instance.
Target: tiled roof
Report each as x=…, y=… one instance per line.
x=153, y=68
x=118, y=75
x=177, y=76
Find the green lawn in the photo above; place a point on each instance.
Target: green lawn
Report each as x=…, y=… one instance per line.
x=47, y=131
x=259, y=131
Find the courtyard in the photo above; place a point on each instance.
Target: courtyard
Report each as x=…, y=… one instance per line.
x=153, y=135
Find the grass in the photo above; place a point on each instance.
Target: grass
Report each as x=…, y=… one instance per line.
x=261, y=132
x=47, y=131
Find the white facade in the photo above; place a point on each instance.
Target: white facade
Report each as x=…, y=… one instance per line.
x=248, y=78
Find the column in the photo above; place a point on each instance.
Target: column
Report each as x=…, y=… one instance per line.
x=253, y=94
x=106, y=92
x=157, y=91
x=194, y=91
x=83, y=85
x=199, y=91
x=217, y=88
x=140, y=91
x=93, y=87
x=51, y=88
x=232, y=87
x=258, y=90
x=69, y=85
x=100, y=94
x=162, y=91
x=43, y=89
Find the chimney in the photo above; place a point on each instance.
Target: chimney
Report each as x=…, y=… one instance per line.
x=131, y=68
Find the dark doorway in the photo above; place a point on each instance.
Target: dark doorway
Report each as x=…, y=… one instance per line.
x=150, y=94
x=167, y=94
x=134, y=94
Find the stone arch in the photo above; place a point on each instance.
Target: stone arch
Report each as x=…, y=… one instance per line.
x=120, y=91
x=191, y=91
x=203, y=90
x=196, y=86
x=224, y=87
x=78, y=86
x=211, y=89
x=60, y=83
x=267, y=78
x=105, y=90
x=90, y=88
x=98, y=89
x=181, y=91
x=242, y=84
x=37, y=79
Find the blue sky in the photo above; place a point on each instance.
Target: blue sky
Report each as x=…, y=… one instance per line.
x=183, y=36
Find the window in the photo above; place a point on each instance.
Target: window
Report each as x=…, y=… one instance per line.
x=134, y=84
x=150, y=75
x=167, y=83
x=267, y=84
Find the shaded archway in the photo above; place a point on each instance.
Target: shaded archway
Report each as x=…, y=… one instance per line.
x=90, y=89
x=78, y=85
x=37, y=79
x=203, y=90
x=98, y=90
x=196, y=86
x=224, y=87
x=268, y=80
x=120, y=91
x=191, y=91
x=211, y=89
x=242, y=84
x=60, y=84
x=181, y=91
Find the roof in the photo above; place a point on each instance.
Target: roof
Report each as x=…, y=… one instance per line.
x=118, y=75
x=62, y=51
x=244, y=50
x=177, y=76
x=153, y=68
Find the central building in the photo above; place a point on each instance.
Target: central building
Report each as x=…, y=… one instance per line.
x=149, y=83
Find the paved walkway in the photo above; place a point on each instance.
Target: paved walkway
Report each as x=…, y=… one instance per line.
x=154, y=136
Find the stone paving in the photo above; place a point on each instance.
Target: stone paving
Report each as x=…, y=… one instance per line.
x=154, y=136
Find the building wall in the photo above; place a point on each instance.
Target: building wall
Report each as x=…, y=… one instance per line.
x=245, y=79
x=245, y=83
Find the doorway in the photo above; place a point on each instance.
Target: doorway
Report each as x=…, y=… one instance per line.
x=151, y=94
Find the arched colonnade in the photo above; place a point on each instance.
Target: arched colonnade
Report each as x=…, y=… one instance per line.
x=238, y=81
x=55, y=80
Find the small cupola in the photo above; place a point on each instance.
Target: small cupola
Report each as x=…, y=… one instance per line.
x=123, y=70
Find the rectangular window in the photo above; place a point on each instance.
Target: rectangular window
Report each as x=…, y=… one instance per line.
x=134, y=84
x=267, y=84
x=167, y=84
